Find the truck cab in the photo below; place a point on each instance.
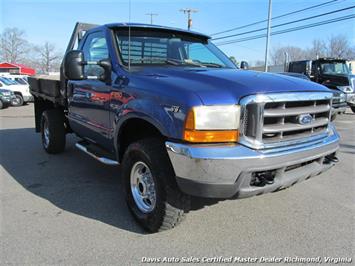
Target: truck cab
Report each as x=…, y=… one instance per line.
x=331, y=72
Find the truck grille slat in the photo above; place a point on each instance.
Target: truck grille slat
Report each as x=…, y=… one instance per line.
x=296, y=110
x=275, y=120
x=293, y=127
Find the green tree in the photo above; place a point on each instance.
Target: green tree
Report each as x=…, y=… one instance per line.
x=232, y=58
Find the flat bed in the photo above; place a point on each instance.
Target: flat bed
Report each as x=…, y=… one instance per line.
x=47, y=87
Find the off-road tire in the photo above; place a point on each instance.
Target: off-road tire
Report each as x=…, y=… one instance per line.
x=171, y=204
x=53, y=120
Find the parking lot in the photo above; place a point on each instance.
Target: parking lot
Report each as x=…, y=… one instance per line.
x=69, y=209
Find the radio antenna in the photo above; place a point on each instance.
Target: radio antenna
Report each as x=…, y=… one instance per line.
x=129, y=35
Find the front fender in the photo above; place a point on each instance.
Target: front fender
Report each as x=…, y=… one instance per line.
x=166, y=118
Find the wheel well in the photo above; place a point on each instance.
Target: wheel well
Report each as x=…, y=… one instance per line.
x=18, y=93
x=41, y=105
x=135, y=129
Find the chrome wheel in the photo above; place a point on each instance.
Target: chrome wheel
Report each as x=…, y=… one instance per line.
x=45, y=134
x=143, y=187
x=16, y=101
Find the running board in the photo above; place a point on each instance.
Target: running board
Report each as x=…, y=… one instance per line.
x=101, y=159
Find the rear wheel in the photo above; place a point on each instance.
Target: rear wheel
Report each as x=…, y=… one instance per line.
x=53, y=131
x=151, y=191
x=1, y=105
x=18, y=101
x=352, y=108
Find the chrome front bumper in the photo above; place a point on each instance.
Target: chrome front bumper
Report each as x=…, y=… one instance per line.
x=350, y=99
x=223, y=171
x=6, y=99
x=339, y=109
x=28, y=98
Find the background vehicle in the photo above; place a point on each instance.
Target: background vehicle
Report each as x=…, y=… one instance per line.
x=21, y=79
x=6, y=97
x=22, y=92
x=331, y=72
x=181, y=119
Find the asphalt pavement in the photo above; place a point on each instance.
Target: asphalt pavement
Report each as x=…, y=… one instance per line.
x=68, y=209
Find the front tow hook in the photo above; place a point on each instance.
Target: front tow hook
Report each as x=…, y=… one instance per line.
x=331, y=159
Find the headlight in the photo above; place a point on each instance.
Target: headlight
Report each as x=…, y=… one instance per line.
x=342, y=97
x=346, y=89
x=212, y=124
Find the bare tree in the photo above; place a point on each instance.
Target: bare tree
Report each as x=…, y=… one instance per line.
x=318, y=49
x=278, y=54
x=13, y=45
x=339, y=47
x=48, y=58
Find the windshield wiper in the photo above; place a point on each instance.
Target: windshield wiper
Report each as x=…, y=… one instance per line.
x=212, y=65
x=176, y=62
x=193, y=63
x=158, y=60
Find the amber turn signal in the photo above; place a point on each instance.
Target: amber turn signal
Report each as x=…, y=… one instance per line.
x=211, y=136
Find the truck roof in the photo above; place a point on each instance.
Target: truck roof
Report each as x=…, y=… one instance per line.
x=150, y=26
x=330, y=59
x=322, y=59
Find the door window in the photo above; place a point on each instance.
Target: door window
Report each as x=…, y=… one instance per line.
x=95, y=49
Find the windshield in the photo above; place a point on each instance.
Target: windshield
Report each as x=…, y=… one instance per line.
x=7, y=81
x=335, y=68
x=21, y=81
x=169, y=48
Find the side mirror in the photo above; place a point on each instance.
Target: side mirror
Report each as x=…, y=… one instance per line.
x=106, y=65
x=74, y=65
x=244, y=65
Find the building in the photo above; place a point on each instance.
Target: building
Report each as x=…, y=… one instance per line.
x=14, y=68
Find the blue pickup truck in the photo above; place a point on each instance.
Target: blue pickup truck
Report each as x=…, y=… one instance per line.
x=181, y=119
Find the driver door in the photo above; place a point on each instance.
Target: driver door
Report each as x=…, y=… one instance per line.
x=89, y=105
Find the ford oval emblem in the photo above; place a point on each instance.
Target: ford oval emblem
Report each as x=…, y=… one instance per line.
x=305, y=119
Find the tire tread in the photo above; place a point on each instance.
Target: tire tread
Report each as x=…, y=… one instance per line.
x=175, y=203
x=55, y=118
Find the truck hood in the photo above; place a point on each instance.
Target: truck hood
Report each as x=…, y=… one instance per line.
x=226, y=86
x=336, y=80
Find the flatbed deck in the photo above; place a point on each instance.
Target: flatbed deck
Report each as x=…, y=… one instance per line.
x=47, y=87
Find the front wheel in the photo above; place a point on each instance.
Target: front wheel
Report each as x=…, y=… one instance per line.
x=53, y=131
x=333, y=116
x=18, y=101
x=150, y=188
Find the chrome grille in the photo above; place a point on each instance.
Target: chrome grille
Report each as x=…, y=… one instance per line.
x=273, y=120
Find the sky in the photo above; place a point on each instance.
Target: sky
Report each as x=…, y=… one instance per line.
x=53, y=20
